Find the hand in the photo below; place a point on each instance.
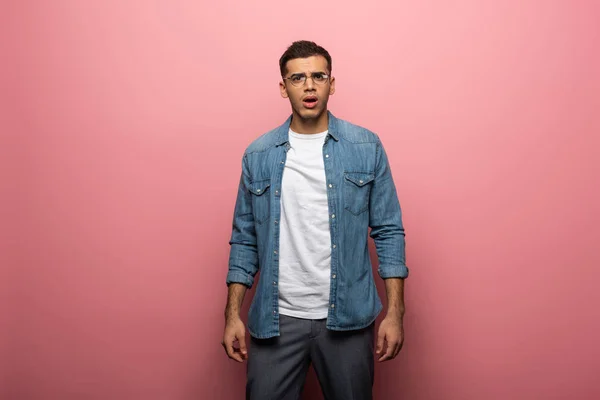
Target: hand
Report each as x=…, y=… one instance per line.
x=391, y=332
x=235, y=331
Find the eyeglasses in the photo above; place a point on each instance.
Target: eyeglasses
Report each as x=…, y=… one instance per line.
x=300, y=79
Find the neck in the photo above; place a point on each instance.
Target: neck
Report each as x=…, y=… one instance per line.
x=308, y=126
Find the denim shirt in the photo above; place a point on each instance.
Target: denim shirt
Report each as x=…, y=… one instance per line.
x=361, y=194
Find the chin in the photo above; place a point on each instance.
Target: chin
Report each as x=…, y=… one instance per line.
x=310, y=114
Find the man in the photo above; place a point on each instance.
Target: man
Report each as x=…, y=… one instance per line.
x=308, y=193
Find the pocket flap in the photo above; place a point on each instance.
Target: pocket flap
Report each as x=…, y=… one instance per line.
x=359, y=178
x=259, y=187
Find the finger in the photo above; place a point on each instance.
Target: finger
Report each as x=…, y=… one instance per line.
x=398, y=348
x=230, y=351
x=389, y=351
x=380, y=340
x=243, y=349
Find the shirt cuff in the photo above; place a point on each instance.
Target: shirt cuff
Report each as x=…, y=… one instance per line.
x=394, y=271
x=239, y=277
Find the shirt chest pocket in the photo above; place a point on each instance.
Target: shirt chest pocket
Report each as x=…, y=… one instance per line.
x=261, y=200
x=357, y=188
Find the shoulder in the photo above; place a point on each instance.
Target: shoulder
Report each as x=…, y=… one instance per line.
x=268, y=139
x=262, y=142
x=355, y=133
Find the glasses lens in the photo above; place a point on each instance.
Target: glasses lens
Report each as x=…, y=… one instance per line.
x=298, y=80
x=319, y=78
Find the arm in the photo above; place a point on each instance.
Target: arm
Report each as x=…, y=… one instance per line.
x=385, y=220
x=243, y=256
x=394, y=288
x=234, y=326
x=391, y=330
x=243, y=266
x=235, y=298
x=387, y=231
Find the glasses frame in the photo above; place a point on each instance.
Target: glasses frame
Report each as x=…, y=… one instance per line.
x=306, y=78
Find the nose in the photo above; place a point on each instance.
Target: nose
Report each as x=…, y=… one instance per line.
x=309, y=83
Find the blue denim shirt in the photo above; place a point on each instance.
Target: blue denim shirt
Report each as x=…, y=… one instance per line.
x=361, y=195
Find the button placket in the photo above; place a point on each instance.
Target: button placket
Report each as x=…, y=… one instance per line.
x=332, y=210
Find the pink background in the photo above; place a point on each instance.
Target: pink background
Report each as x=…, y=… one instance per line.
x=122, y=127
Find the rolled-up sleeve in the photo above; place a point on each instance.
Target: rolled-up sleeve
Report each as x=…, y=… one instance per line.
x=385, y=221
x=243, y=255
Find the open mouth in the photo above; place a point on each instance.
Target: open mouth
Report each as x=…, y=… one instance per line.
x=310, y=101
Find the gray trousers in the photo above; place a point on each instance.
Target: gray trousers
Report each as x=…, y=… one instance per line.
x=343, y=362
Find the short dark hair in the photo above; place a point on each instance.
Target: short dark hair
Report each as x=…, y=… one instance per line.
x=303, y=49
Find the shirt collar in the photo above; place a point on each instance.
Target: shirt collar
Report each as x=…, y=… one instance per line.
x=283, y=130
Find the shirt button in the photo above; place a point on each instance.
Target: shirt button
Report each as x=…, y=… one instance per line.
x=274, y=251
x=326, y=155
x=360, y=181
x=276, y=222
x=333, y=306
x=334, y=246
x=277, y=192
x=332, y=215
x=282, y=162
x=330, y=185
x=258, y=190
x=333, y=276
x=274, y=312
x=274, y=283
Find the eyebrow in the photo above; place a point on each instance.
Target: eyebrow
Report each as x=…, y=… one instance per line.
x=303, y=73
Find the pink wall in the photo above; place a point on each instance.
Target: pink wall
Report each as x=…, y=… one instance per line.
x=123, y=127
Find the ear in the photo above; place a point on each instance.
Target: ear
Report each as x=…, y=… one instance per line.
x=283, y=90
x=332, y=86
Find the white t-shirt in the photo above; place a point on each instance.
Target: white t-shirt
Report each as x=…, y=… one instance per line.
x=304, y=241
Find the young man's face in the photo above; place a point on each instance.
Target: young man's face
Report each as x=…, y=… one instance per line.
x=308, y=97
